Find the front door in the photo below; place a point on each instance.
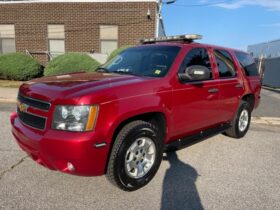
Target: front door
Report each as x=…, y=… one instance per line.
x=195, y=103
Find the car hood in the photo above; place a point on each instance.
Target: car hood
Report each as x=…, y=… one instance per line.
x=75, y=86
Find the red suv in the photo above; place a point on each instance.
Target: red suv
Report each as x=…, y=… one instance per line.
x=149, y=99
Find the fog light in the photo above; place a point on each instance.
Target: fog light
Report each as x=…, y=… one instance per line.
x=70, y=166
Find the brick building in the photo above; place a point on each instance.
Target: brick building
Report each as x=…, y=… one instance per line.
x=47, y=28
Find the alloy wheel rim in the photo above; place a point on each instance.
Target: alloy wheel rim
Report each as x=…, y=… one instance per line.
x=243, y=120
x=140, y=157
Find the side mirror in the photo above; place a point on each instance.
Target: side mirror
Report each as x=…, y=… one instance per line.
x=195, y=73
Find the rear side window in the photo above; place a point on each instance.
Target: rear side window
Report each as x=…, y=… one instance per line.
x=247, y=63
x=225, y=64
x=196, y=57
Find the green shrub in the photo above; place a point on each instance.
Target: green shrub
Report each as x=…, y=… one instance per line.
x=18, y=66
x=117, y=51
x=70, y=62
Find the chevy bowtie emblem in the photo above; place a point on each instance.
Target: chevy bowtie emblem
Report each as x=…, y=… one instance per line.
x=22, y=107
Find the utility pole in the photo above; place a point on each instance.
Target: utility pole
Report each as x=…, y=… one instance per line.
x=158, y=15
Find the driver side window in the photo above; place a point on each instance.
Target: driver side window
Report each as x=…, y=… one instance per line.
x=196, y=57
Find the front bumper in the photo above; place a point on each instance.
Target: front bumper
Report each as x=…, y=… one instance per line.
x=56, y=149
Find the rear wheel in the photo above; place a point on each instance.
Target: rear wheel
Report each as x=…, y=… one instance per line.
x=136, y=156
x=241, y=122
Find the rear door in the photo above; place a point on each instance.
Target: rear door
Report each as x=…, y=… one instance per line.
x=230, y=83
x=249, y=67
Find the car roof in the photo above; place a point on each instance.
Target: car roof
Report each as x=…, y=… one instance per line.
x=191, y=44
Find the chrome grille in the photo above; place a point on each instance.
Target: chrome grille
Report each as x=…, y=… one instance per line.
x=34, y=102
x=32, y=120
x=29, y=118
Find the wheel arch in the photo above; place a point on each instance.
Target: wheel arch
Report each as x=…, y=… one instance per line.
x=157, y=118
x=250, y=98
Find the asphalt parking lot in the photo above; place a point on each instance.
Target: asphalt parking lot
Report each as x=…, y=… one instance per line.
x=218, y=173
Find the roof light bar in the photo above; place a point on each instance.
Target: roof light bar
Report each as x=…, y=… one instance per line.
x=186, y=37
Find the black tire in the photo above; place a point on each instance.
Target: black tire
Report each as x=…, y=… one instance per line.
x=234, y=131
x=128, y=135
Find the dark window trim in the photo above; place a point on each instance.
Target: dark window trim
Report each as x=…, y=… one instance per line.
x=232, y=59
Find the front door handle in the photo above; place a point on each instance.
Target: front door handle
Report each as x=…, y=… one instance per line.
x=213, y=90
x=238, y=85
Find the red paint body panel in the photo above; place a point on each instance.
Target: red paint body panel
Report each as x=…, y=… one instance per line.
x=188, y=108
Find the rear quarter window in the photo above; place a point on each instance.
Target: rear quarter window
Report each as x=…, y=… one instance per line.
x=248, y=64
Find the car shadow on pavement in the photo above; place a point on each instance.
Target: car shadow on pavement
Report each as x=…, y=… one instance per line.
x=179, y=189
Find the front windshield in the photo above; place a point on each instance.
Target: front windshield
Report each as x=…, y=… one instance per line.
x=152, y=61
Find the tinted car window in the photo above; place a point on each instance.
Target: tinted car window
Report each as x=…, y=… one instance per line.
x=247, y=63
x=225, y=64
x=153, y=61
x=196, y=57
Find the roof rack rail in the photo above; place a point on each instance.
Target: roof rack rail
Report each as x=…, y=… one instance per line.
x=186, y=38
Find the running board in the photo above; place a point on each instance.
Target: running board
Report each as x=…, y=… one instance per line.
x=190, y=140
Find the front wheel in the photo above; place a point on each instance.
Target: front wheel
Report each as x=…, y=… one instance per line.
x=136, y=156
x=241, y=121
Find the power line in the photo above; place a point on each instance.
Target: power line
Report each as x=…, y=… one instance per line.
x=201, y=5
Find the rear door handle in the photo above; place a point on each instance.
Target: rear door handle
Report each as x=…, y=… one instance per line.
x=213, y=90
x=239, y=85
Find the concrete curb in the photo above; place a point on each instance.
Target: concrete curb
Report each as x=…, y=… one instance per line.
x=276, y=90
x=275, y=121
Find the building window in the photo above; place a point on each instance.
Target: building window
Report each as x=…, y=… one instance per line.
x=7, y=38
x=108, y=38
x=56, y=39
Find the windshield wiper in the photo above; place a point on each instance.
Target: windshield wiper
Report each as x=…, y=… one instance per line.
x=124, y=72
x=102, y=70
x=105, y=70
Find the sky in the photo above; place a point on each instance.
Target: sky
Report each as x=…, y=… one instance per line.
x=232, y=23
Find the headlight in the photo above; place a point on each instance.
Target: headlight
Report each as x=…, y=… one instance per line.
x=74, y=118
